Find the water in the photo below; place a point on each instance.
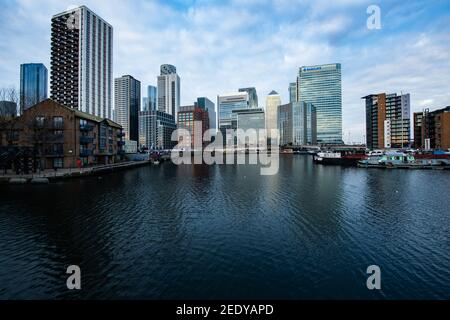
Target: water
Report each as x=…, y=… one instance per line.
x=220, y=232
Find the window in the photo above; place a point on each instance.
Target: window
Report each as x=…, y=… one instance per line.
x=58, y=122
x=40, y=120
x=58, y=163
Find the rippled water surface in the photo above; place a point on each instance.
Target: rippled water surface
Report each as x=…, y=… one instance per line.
x=226, y=232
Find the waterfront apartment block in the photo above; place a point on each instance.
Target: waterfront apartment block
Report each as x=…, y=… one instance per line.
x=321, y=86
x=63, y=137
x=432, y=129
x=127, y=104
x=82, y=61
x=387, y=121
x=227, y=120
x=169, y=90
x=195, y=120
x=33, y=84
x=273, y=100
x=297, y=122
x=155, y=130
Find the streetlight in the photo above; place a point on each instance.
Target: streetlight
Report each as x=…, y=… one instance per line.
x=70, y=168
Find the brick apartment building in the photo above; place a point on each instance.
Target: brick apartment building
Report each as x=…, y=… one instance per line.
x=56, y=136
x=432, y=129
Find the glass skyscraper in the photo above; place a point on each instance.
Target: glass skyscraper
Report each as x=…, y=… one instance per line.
x=226, y=104
x=252, y=97
x=33, y=84
x=152, y=97
x=209, y=106
x=297, y=123
x=127, y=96
x=322, y=87
x=293, y=92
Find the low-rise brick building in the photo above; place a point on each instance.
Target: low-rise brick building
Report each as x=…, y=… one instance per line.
x=432, y=129
x=62, y=137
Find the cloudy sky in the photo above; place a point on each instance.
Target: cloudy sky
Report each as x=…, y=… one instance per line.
x=219, y=46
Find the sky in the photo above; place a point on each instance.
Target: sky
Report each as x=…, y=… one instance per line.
x=220, y=46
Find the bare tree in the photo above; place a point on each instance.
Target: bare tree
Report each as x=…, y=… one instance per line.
x=9, y=99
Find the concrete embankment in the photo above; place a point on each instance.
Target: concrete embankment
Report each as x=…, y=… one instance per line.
x=47, y=177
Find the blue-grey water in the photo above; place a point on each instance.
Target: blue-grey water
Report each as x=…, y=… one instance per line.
x=219, y=232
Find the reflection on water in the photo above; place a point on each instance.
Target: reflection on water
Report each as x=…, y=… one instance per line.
x=196, y=231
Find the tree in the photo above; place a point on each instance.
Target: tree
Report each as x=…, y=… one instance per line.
x=7, y=117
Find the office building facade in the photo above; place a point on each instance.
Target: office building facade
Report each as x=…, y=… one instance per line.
x=227, y=120
x=388, y=121
x=321, y=86
x=297, y=124
x=248, y=120
x=33, y=85
x=151, y=101
x=127, y=102
x=169, y=90
x=195, y=120
x=273, y=101
x=252, y=97
x=210, y=107
x=293, y=92
x=82, y=61
x=155, y=130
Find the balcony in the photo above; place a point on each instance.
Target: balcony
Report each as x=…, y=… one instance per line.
x=86, y=153
x=86, y=127
x=86, y=140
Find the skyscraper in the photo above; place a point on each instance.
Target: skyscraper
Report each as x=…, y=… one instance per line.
x=297, y=124
x=82, y=61
x=127, y=102
x=388, y=122
x=252, y=97
x=150, y=102
x=322, y=87
x=155, y=129
x=209, y=106
x=293, y=92
x=225, y=106
x=169, y=90
x=272, y=102
x=33, y=84
x=152, y=97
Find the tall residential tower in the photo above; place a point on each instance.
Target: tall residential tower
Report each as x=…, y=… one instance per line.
x=388, y=121
x=82, y=61
x=169, y=90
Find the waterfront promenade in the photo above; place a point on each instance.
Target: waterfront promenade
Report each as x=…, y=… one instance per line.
x=69, y=173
